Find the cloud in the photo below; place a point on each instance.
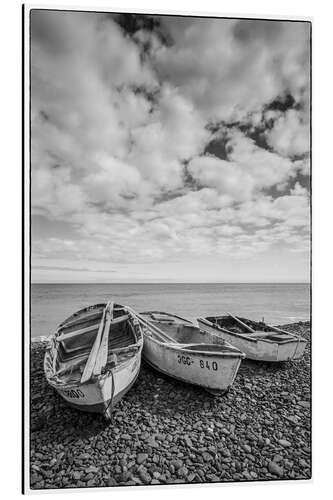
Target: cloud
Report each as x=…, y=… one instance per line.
x=231, y=67
x=74, y=269
x=290, y=135
x=121, y=127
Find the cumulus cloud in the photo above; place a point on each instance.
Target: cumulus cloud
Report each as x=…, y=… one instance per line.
x=232, y=67
x=121, y=124
x=290, y=135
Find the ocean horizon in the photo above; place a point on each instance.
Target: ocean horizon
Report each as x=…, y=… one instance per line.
x=277, y=303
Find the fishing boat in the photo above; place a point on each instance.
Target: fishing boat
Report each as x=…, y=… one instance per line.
x=176, y=347
x=256, y=339
x=94, y=357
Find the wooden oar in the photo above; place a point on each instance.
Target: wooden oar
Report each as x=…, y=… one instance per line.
x=276, y=329
x=241, y=323
x=88, y=369
x=155, y=328
x=156, y=331
x=102, y=355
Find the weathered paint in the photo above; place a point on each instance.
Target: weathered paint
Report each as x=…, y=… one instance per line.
x=211, y=370
x=258, y=349
x=102, y=390
x=96, y=394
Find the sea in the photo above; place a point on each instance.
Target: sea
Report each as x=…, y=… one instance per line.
x=277, y=303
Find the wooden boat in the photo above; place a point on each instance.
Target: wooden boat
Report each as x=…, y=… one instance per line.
x=176, y=347
x=94, y=357
x=256, y=339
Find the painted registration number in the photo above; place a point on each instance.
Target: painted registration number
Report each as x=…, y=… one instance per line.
x=73, y=393
x=206, y=365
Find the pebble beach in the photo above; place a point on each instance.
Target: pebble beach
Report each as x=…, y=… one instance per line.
x=166, y=432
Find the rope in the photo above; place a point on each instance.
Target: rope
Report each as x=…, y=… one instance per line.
x=298, y=342
x=106, y=414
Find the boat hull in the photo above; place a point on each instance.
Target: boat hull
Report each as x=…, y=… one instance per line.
x=212, y=371
x=101, y=393
x=258, y=349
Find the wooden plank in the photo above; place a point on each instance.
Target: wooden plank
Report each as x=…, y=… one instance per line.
x=120, y=319
x=241, y=323
x=88, y=369
x=153, y=327
x=66, y=336
x=82, y=319
x=276, y=329
x=102, y=355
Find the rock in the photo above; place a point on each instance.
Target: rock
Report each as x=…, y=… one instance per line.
x=304, y=404
x=284, y=443
x=225, y=452
x=92, y=469
x=275, y=469
x=188, y=441
x=247, y=448
x=182, y=471
x=190, y=477
x=77, y=475
x=141, y=458
x=207, y=457
x=111, y=482
x=177, y=464
x=146, y=478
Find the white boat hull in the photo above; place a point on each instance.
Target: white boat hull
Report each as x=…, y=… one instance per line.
x=213, y=371
x=94, y=357
x=258, y=349
x=102, y=393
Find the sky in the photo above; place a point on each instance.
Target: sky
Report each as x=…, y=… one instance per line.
x=169, y=149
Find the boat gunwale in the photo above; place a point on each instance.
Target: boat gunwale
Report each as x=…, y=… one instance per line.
x=167, y=314
x=177, y=347
x=96, y=378
x=80, y=311
x=247, y=337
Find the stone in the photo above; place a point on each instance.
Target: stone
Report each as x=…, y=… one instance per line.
x=304, y=404
x=92, y=469
x=146, y=478
x=141, y=458
x=284, y=442
x=207, y=457
x=177, y=464
x=111, y=482
x=225, y=452
x=188, y=441
x=275, y=469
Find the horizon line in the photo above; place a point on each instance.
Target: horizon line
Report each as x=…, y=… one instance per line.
x=172, y=283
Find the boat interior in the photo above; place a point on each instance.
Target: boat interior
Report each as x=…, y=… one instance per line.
x=259, y=329
x=184, y=333
x=76, y=336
